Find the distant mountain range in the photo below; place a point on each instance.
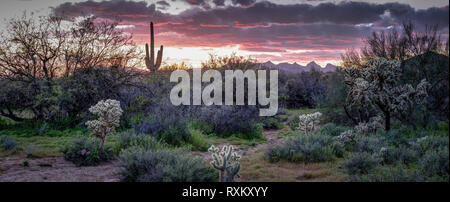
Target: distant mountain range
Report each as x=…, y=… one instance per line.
x=296, y=68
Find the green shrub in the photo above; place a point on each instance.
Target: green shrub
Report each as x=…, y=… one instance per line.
x=361, y=163
x=42, y=129
x=396, y=173
x=172, y=130
x=226, y=121
x=332, y=129
x=271, y=123
x=434, y=164
x=203, y=126
x=163, y=165
x=443, y=126
x=293, y=124
x=8, y=143
x=129, y=139
x=276, y=153
x=198, y=141
x=83, y=152
x=369, y=144
x=302, y=148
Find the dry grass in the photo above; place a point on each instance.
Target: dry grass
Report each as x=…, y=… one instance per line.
x=255, y=168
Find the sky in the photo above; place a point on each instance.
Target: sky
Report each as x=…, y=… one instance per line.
x=277, y=30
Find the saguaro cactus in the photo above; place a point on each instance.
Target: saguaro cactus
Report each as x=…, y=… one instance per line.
x=150, y=58
x=226, y=161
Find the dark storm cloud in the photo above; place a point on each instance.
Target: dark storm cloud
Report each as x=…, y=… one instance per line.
x=219, y=2
x=262, y=26
x=243, y=2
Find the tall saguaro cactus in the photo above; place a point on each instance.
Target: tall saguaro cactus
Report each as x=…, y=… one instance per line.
x=150, y=58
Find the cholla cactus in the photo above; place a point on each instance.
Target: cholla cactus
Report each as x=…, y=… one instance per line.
x=378, y=85
x=108, y=113
x=370, y=127
x=308, y=122
x=226, y=161
x=347, y=137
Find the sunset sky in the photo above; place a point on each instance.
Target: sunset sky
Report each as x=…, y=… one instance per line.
x=278, y=30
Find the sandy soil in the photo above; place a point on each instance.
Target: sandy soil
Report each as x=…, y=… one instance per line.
x=54, y=169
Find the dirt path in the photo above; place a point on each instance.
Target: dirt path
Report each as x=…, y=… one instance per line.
x=54, y=169
x=271, y=139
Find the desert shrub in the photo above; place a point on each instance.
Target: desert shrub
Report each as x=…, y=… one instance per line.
x=434, y=164
x=172, y=130
x=129, y=139
x=293, y=124
x=332, y=129
x=302, y=148
x=83, y=152
x=198, y=141
x=8, y=143
x=396, y=173
x=163, y=165
x=233, y=120
x=443, y=126
x=42, y=129
x=427, y=143
x=271, y=123
x=301, y=89
x=202, y=126
x=276, y=153
x=361, y=163
x=368, y=144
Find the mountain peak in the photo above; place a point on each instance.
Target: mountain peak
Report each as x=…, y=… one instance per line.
x=312, y=63
x=296, y=68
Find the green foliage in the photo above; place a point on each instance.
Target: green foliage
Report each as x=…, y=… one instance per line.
x=128, y=139
x=361, y=163
x=434, y=164
x=198, y=141
x=332, y=129
x=401, y=154
x=397, y=173
x=203, y=126
x=8, y=143
x=302, y=148
x=164, y=165
x=83, y=152
x=271, y=123
x=172, y=130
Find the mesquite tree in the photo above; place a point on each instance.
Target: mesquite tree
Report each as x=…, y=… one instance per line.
x=377, y=85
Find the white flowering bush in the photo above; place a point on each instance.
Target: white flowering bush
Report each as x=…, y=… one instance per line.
x=308, y=122
x=377, y=85
x=109, y=113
